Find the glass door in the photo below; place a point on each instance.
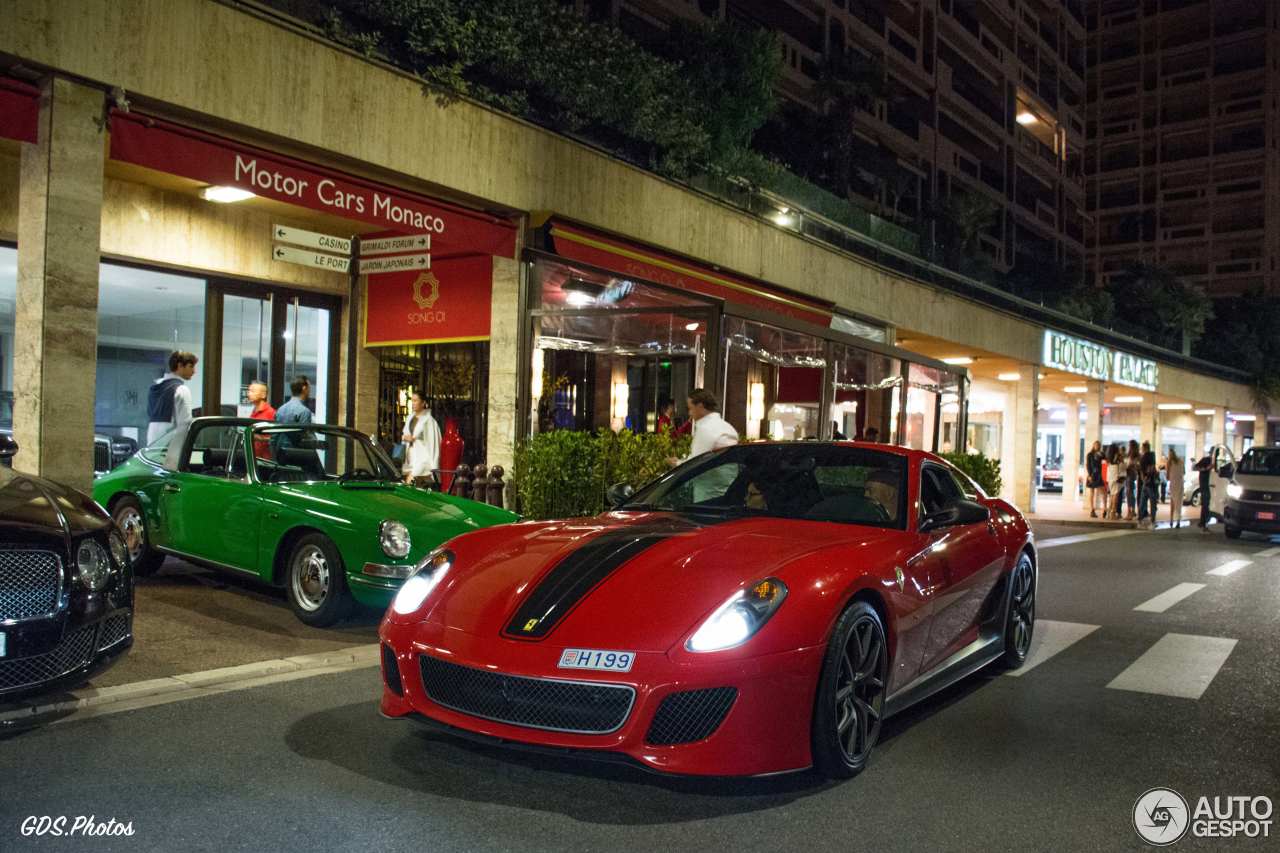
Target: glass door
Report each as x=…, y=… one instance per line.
x=246, y=350
x=307, y=348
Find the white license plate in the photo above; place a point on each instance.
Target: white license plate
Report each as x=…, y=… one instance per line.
x=597, y=659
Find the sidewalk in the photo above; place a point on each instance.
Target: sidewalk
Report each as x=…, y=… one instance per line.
x=1060, y=509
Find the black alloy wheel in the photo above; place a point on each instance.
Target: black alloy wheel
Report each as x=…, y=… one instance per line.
x=1020, y=621
x=849, y=708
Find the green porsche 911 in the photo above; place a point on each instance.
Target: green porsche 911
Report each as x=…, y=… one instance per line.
x=317, y=509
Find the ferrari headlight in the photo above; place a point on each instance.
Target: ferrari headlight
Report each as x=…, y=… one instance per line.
x=94, y=566
x=394, y=538
x=119, y=552
x=425, y=578
x=739, y=618
x=1234, y=490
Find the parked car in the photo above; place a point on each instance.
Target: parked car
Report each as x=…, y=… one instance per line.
x=66, y=588
x=108, y=451
x=1253, y=495
x=317, y=509
x=759, y=609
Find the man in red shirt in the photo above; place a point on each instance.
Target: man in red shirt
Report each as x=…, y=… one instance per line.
x=262, y=411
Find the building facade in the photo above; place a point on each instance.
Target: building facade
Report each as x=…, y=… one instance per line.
x=990, y=102
x=157, y=194
x=1182, y=128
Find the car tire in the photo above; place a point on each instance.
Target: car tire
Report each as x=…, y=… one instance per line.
x=1195, y=498
x=852, y=686
x=316, y=581
x=1020, y=613
x=129, y=517
x=1232, y=532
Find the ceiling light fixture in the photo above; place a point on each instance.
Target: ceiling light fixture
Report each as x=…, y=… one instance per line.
x=225, y=195
x=1026, y=117
x=1009, y=377
x=1174, y=407
x=691, y=327
x=1243, y=418
x=1134, y=398
x=958, y=359
x=1204, y=412
x=1077, y=389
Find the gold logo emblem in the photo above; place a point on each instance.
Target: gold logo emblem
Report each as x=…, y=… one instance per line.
x=426, y=290
x=529, y=626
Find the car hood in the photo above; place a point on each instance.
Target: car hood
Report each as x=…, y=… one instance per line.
x=1259, y=482
x=37, y=505
x=626, y=580
x=401, y=503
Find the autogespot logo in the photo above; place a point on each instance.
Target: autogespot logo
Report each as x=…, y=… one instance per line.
x=1160, y=816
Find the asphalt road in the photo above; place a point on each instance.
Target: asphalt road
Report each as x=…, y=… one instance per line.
x=1053, y=759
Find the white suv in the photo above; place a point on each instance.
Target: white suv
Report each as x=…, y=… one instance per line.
x=1253, y=495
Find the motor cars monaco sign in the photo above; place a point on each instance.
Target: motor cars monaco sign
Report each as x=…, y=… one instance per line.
x=1086, y=358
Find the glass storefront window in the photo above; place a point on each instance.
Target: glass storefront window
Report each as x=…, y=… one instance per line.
x=143, y=316
x=864, y=394
x=608, y=352
x=306, y=352
x=773, y=381
x=8, y=310
x=924, y=392
x=246, y=350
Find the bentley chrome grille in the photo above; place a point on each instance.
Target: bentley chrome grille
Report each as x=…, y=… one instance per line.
x=30, y=583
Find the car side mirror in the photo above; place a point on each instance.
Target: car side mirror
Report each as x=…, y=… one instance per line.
x=619, y=493
x=957, y=513
x=8, y=449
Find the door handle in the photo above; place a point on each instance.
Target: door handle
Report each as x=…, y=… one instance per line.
x=991, y=527
x=172, y=487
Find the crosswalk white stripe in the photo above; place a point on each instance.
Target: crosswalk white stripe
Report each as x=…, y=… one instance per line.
x=1179, y=665
x=1229, y=568
x=1083, y=537
x=1270, y=552
x=1049, y=639
x=1170, y=597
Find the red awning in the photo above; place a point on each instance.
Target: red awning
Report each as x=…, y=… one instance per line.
x=590, y=247
x=19, y=110
x=178, y=150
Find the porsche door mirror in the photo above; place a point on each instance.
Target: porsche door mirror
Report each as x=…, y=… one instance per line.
x=8, y=449
x=619, y=493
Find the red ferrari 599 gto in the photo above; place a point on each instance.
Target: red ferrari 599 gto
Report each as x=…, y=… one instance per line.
x=759, y=609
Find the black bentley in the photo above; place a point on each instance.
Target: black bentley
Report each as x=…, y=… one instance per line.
x=66, y=588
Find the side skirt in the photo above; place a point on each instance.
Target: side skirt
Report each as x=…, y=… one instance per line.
x=212, y=564
x=963, y=663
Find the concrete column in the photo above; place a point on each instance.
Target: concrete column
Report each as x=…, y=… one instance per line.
x=1020, y=413
x=1147, y=421
x=55, y=341
x=1071, y=451
x=1093, y=412
x=504, y=365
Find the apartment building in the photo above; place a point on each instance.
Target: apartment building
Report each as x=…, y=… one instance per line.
x=1182, y=127
x=992, y=102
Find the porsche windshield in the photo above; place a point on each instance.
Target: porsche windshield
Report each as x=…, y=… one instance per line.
x=290, y=454
x=1261, y=460
x=815, y=482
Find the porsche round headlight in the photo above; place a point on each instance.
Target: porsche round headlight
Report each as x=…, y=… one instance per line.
x=94, y=566
x=1234, y=491
x=425, y=578
x=119, y=551
x=739, y=618
x=394, y=538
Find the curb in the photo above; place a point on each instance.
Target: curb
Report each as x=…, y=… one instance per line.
x=350, y=657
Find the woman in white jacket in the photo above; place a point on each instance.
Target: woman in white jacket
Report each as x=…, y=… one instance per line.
x=422, y=444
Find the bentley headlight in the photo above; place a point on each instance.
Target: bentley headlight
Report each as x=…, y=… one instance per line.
x=94, y=566
x=739, y=618
x=425, y=578
x=394, y=538
x=1234, y=490
x=119, y=551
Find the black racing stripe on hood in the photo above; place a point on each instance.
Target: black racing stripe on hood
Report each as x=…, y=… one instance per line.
x=570, y=580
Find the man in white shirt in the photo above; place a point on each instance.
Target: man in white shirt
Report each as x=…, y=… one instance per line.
x=710, y=430
x=169, y=398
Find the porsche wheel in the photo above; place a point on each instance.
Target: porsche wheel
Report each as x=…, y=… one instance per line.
x=317, y=582
x=851, y=693
x=1020, y=620
x=127, y=515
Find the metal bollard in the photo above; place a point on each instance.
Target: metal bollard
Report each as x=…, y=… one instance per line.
x=461, y=486
x=495, y=486
x=479, y=483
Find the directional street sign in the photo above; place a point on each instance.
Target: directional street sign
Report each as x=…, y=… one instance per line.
x=308, y=258
x=391, y=245
x=311, y=239
x=396, y=264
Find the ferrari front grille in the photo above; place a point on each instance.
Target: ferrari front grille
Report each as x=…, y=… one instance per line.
x=690, y=715
x=30, y=583
x=581, y=707
x=71, y=654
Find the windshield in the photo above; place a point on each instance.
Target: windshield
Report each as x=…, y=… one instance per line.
x=1261, y=460
x=310, y=453
x=804, y=481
